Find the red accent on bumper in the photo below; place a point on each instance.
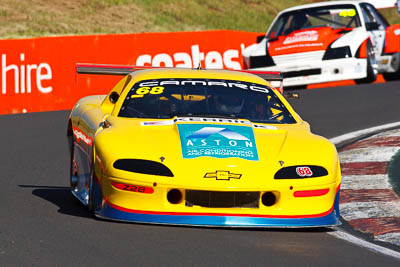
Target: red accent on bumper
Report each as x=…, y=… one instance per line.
x=311, y=193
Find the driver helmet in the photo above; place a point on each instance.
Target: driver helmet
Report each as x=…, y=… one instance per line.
x=299, y=21
x=229, y=103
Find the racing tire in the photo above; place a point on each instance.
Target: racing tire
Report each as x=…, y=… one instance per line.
x=391, y=76
x=72, y=180
x=91, y=192
x=372, y=72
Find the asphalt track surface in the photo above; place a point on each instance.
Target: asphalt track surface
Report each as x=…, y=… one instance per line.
x=41, y=224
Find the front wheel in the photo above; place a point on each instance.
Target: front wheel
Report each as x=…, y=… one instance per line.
x=73, y=173
x=95, y=196
x=372, y=72
x=91, y=196
x=91, y=192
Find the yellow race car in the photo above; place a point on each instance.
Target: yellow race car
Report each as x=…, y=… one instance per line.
x=200, y=147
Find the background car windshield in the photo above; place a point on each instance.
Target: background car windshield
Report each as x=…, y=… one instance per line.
x=338, y=16
x=167, y=98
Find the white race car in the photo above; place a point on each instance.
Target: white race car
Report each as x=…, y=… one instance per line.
x=328, y=41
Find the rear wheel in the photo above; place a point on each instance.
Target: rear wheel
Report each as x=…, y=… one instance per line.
x=372, y=72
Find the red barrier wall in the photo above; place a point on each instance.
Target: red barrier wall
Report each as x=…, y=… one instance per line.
x=39, y=74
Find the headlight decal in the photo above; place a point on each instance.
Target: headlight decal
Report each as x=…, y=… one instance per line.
x=335, y=53
x=301, y=172
x=143, y=166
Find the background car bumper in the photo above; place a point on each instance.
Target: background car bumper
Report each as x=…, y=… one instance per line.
x=311, y=72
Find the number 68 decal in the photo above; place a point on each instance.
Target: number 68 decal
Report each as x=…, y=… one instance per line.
x=140, y=92
x=304, y=171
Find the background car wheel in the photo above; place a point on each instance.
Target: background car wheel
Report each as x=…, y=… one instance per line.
x=391, y=76
x=372, y=72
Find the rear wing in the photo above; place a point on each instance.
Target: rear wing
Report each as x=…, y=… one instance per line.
x=274, y=78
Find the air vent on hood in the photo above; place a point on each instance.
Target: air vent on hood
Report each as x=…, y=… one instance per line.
x=143, y=166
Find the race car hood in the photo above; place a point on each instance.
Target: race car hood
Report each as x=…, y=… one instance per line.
x=305, y=40
x=211, y=154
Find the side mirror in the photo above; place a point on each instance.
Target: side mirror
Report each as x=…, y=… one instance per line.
x=105, y=123
x=114, y=97
x=291, y=95
x=260, y=38
x=372, y=26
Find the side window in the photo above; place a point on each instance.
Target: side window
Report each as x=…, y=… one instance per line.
x=378, y=17
x=371, y=15
x=366, y=14
x=279, y=27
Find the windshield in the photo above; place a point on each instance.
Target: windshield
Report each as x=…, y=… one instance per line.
x=167, y=98
x=338, y=16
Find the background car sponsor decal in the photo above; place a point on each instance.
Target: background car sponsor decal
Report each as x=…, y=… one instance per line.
x=301, y=37
x=218, y=141
x=304, y=41
x=348, y=13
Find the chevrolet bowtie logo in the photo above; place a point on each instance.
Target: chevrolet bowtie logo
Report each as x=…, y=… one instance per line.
x=222, y=175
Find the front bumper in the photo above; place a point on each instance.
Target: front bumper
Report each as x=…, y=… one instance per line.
x=311, y=72
x=109, y=211
x=111, y=203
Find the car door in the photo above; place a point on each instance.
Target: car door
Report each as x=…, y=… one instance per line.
x=376, y=24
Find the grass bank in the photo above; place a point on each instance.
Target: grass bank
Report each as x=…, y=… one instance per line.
x=32, y=18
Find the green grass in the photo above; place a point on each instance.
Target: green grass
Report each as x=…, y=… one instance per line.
x=32, y=18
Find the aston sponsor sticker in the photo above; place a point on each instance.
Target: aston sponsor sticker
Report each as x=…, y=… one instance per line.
x=218, y=141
